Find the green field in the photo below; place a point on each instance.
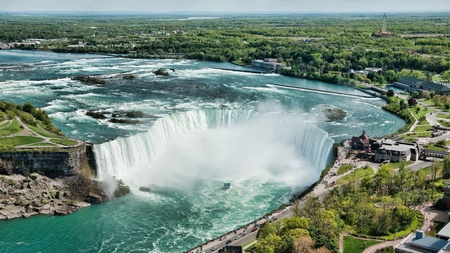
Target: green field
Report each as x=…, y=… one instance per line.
x=43, y=132
x=13, y=128
x=66, y=142
x=344, y=168
x=19, y=140
x=355, y=245
x=422, y=128
x=359, y=173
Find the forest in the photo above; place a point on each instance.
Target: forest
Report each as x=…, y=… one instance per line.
x=321, y=47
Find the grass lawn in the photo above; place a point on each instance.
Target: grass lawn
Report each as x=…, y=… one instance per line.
x=393, y=166
x=421, y=113
x=43, y=132
x=422, y=128
x=359, y=173
x=11, y=129
x=66, y=142
x=344, y=168
x=19, y=140
x=435, y=148
x=42, y=144
x=444, y=123
x=443, y=116
x=4, y=123
x=355, y=245
x=414, y=136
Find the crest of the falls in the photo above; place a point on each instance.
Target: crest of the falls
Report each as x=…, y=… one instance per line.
x=182, y=148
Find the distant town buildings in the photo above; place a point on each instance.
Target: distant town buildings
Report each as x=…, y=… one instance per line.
x=269, y=64
x=412, y=84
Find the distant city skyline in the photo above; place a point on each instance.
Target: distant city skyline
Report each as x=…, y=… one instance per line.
x=227, y=6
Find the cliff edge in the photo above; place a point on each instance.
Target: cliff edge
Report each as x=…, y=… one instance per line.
x=50, y=182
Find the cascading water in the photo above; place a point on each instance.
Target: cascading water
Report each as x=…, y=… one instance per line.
x=182, y=148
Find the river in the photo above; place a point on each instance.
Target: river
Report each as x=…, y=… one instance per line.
x=205, y=126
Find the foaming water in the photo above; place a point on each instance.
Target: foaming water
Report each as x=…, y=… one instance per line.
x=221, y=145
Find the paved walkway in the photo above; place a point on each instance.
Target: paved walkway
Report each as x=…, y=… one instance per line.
x=374, y=248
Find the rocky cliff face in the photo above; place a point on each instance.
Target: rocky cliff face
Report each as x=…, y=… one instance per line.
x=50, y=182
x=49, y=163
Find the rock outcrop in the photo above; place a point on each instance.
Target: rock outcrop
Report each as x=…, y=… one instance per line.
x=50, y=182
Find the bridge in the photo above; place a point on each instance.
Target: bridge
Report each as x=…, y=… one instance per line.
x=318, y=91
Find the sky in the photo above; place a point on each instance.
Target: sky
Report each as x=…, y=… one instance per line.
x=226, y=6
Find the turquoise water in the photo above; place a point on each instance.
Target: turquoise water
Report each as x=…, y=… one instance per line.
x=208, y=126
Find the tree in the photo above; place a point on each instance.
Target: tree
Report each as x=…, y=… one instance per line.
x=412, y=102
x=435, y=168
x=303, y=244
x=446, y=168
x=268, y=245
x=390, y=93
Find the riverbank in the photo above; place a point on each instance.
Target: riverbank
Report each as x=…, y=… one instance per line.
x=26, y=196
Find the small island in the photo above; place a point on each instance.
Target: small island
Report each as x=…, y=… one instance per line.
x=161, y=72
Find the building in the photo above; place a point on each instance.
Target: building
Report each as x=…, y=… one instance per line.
x=395, y=151
x=360, y=143
x=269, y=64
x=386, y=150
x=420, y=243
x=412, y=84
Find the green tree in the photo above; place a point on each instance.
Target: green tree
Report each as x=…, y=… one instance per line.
x=435, y=168
x=446, y=167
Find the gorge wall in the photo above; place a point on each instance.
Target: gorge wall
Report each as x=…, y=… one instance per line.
x=61, y=163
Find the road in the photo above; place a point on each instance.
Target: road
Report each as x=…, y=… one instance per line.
x=244, y=234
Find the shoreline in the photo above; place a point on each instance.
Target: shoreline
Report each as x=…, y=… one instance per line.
x=23, y=197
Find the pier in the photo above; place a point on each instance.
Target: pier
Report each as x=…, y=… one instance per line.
x=318, y=91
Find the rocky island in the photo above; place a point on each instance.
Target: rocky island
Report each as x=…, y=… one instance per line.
x=43, y=172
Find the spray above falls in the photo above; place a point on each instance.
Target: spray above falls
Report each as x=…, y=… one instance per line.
x=185, y=148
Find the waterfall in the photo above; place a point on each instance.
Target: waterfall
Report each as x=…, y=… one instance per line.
x=214, y=143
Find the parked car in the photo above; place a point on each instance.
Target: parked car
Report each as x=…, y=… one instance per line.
x=214, y=248
x=229, y=241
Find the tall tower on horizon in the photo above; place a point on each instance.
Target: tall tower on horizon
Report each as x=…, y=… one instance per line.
x=384, y=30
